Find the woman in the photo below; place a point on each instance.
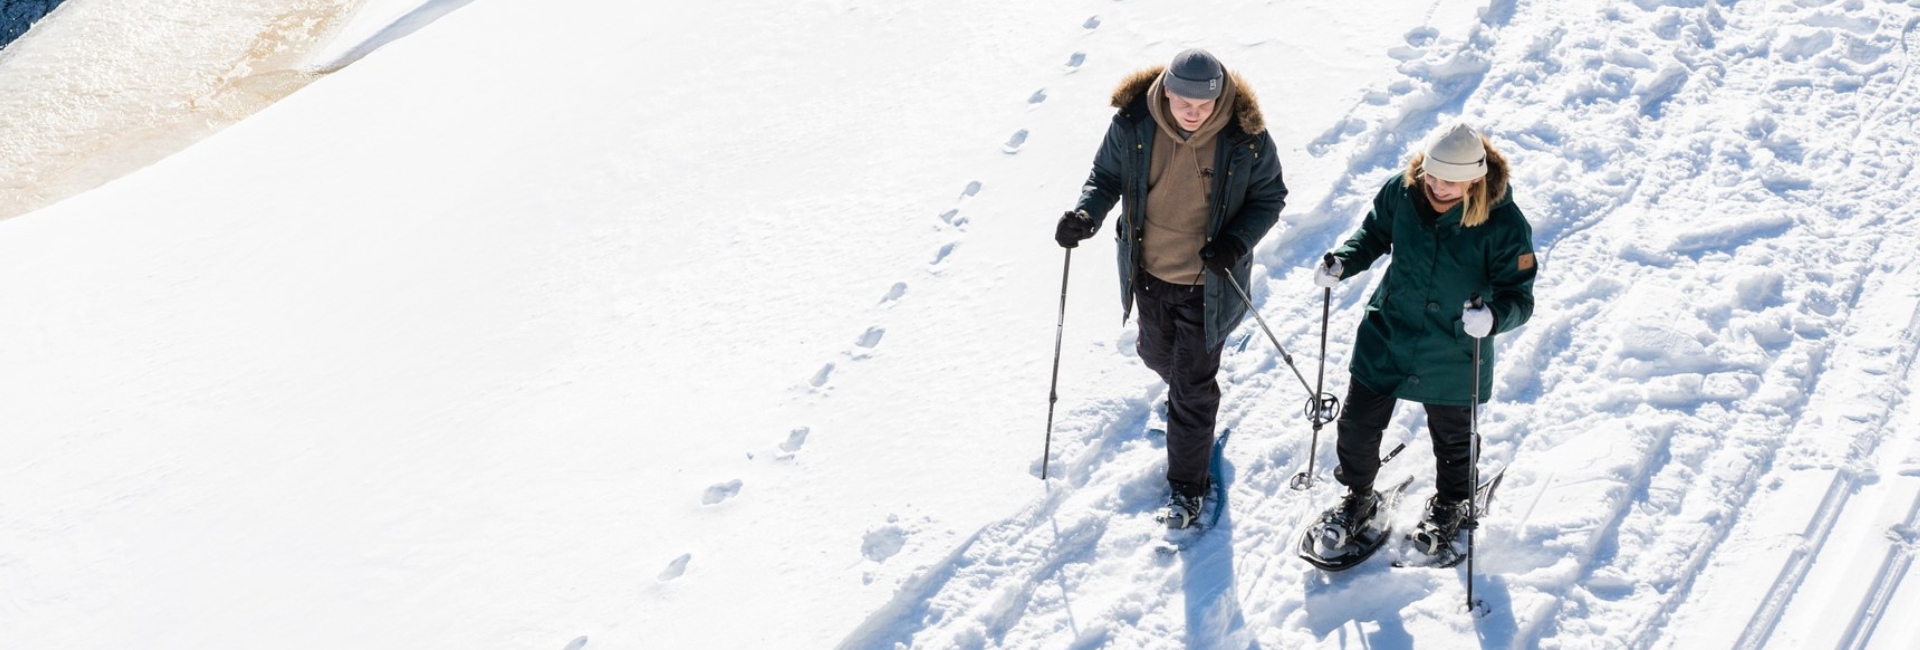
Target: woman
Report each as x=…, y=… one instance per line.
x=1455, y=234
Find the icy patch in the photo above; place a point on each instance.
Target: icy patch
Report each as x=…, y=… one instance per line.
x=99, y=89
x=425, y=14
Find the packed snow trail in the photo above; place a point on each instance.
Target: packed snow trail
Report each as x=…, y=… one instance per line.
x=1707, y=283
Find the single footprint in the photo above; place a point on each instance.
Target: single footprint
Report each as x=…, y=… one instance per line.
x=820, y=378
x=1038, y=96
x=878, y=545
x=720, y=492
x=1422, y=36
x=1093, y=22
x=937, y=259
x=577, y=644
x=676, y=568
x=973, y=187
x=1073, y=62
x=872, y=337
x=1013, y=143
x=795, y=439
x=899, y=289
x=949, y=215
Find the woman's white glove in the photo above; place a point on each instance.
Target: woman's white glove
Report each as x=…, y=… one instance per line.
x=1327, y=275
x=1478, y=320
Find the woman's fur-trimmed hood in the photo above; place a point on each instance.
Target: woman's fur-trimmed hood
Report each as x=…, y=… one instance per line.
x=1246, y=108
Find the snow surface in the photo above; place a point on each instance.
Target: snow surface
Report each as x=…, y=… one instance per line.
x=615, y=325
x=99, y=88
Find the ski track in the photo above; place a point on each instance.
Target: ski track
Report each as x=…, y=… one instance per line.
x=1741, y=466
x=1836, y=369
x=1684, y=330
x=1886, y=582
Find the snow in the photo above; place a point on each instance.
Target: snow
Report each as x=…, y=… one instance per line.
x=153, y=77
x=432, y=323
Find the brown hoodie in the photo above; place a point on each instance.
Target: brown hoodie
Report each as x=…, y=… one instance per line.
x=1179, y=180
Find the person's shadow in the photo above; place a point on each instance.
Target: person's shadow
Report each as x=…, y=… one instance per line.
x=1335, y=600
x=1214, y=618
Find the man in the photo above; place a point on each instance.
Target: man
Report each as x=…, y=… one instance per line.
x=1189, y=159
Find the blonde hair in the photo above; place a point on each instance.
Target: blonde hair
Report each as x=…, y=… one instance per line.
x=1478, y=203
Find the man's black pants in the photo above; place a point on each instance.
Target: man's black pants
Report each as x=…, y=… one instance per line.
x=1173, y=343
x=1366, y=417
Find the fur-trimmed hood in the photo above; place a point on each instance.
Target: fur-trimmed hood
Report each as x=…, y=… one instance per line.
x=1246, y=108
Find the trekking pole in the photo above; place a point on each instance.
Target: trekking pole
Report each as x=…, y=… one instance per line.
x=1263, y=327
x=1053, y=391
x=1473, y=466
x=1321, y=408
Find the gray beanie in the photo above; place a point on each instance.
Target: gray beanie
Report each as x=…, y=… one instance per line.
x=1195, y=74
x=1455, y=153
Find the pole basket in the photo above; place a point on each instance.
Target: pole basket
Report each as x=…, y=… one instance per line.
x=1322, y=409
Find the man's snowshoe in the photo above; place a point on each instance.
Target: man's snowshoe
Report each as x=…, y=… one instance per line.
x=1180, y=512
x=1196, y=520
x=1351, y=532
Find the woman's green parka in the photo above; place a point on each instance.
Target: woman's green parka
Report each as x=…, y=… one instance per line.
x=1411, y=344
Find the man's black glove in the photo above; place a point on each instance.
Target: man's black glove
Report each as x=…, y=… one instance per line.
x=1073, y=227
x=1220, y=254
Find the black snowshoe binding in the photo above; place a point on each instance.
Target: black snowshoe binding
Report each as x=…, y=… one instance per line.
x=1340, y=526
x=1349, y=533
x=1436, y=542
x=1437, y=533
x=1181, y=511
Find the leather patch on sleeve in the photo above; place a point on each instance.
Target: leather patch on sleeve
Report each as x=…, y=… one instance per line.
x=1526, y=261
